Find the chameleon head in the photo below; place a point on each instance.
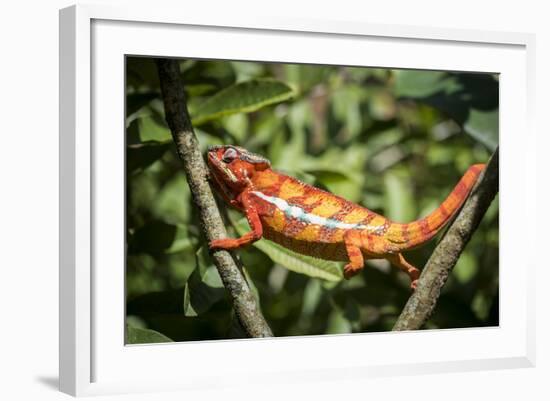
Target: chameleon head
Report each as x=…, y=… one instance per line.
x=232, y=167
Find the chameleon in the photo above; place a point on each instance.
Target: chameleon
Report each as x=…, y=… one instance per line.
x=314, y=222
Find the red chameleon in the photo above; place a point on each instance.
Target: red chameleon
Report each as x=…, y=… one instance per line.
x=317, y=223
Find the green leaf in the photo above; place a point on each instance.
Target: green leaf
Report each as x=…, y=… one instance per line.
x=142, y=155
x=214, y=72
x=399, y=197
x=208, y=273
x=171, y=203
x=135, y=101
x=304, y=77
x=236, y=125
x=136, y=335
x=251, y=284
x=246, y=70
x=338, y=322
x=312, y=267
x=244, y=97
x=382, y=105
x=182, y=240
x=469, y=99
x=312, y=296
x=299, y=118
x=346, y=107
x=339, y=183
x=153, y=128
x=188, y=309
x=481, y=305
x=204, y=287
x=199, y=89
x=466, y=267
x=483, y=126
x=418, y=83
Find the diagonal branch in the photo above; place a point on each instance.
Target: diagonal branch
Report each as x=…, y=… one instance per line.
x=422, y=302
x=179, y=121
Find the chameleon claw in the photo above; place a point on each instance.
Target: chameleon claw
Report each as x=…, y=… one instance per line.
x=350, y=271
x=227, y=244
x=414, y=274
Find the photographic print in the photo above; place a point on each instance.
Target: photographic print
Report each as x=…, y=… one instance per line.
x=336, y=187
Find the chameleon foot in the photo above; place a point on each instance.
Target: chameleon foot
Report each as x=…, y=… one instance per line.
x=227, y=244
x=350, y=271
x=414, y=273
x=399, y=261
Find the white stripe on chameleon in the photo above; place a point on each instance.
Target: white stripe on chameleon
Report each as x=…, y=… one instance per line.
x=300, y=214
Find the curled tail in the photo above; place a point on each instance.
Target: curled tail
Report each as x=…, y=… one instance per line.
x=413, y=234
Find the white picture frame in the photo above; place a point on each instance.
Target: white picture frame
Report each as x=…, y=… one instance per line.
x=93, y=357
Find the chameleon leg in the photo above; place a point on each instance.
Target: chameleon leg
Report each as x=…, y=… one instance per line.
x=252, y=236
x=356, y=260
x=399, y=261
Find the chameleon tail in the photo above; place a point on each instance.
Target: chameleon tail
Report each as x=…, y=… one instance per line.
x=416, y=233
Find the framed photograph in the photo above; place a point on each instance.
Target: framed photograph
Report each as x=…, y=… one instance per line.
x=235, y=192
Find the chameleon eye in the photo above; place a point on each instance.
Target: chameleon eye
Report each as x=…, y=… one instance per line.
x=229, y=155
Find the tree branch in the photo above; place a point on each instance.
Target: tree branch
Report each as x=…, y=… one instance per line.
x=422, y=302
x=179, y=121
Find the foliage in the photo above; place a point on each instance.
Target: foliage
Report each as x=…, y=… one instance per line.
x=135, y=335
x=395, y=141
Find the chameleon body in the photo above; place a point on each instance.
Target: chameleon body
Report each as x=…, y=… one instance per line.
x=314, y=222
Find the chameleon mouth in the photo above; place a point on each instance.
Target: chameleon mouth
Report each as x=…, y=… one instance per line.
x=217, y=167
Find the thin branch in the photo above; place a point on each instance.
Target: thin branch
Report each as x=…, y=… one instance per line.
x=179, y=121
x=434, y=275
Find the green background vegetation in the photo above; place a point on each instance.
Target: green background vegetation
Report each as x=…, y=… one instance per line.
x=395, y=141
